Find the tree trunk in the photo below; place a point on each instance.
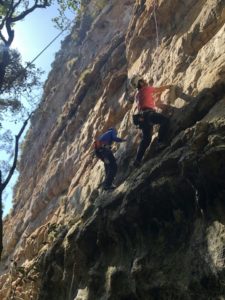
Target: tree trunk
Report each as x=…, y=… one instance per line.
x=9, y=176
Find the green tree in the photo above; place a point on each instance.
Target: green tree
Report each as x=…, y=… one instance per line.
x=61, y=20
x=4, y=182
x=17, y=81
x=13, y=11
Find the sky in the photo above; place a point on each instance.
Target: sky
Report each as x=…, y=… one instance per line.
x=32, y=35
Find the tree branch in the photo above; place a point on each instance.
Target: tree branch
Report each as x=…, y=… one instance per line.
x=10, y=10
x=10, y=33
x=3, y=38
x=15, y=6
x=6, y=22
x=2, y=23
x=4, y=184
x=11, y=171
x=29, y=10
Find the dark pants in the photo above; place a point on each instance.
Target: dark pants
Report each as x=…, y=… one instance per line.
x=149, y=119
x=110, y=165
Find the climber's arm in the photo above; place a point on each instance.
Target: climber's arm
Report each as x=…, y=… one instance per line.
x=161, y=89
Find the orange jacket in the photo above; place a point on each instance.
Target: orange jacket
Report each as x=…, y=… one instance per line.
x=145, y=98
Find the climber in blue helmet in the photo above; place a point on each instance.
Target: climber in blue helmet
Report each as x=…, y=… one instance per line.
x=103, y=151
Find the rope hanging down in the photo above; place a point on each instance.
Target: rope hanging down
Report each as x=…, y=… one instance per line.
x=156, y=72
x=52, y=41
x=156, y=24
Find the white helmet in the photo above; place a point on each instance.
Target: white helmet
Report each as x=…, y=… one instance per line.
x=134, y=81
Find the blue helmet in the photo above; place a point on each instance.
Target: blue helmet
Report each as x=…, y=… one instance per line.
x=113, y=129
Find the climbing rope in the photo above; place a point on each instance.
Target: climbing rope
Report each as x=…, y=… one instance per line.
x=154, y=8
x=156, y=23
x=52, y=41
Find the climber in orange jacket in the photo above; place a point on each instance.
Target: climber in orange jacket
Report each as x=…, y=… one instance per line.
x=103, y=151
x=148, y=116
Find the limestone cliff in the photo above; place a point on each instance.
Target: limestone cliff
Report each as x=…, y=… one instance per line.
x=161, y=233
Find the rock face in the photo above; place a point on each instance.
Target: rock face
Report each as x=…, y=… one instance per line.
x=161, y=233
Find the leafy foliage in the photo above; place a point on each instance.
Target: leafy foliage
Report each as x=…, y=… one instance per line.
x=15, y=10
x=18, y=78
x=61, y=20
x=17, y=81
x=6, y=146
x=4, y=7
